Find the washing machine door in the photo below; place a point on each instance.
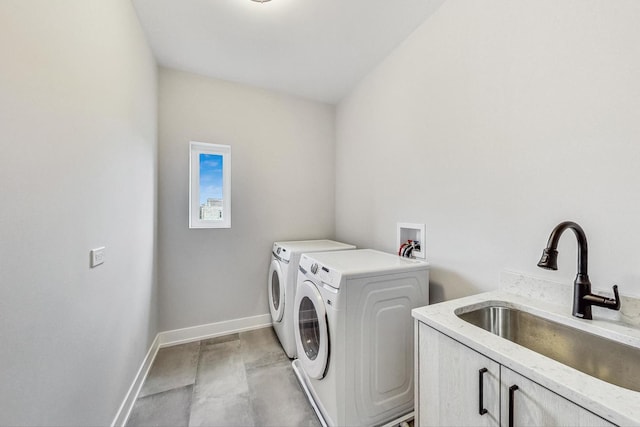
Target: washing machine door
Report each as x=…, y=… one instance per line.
x=312, y=332
x=276, y=291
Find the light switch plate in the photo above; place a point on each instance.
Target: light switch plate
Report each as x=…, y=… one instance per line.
x=97, y=256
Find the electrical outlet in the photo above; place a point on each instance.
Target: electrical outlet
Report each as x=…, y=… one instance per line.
x=97, y=256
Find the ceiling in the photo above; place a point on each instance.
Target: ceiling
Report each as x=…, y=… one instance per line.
x=317, y=49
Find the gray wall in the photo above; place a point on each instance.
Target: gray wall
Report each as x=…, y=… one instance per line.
x=282, y=187
x=77, y=171
x=491, y=123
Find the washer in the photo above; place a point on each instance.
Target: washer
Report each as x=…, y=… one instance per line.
x=282, y=284
x=354, y=334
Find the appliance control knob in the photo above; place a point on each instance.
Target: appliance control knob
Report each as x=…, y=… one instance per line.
x=314, y=268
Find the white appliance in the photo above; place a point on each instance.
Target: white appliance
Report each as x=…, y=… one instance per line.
x=282, y=284
x=354, y=334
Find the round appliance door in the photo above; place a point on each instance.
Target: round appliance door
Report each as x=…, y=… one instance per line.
x=312, y=333
x=276, y=291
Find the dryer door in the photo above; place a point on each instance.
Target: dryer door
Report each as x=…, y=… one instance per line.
x=276, y=291
x=312, y=332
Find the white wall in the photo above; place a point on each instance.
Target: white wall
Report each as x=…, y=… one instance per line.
x=492, y=123
x=283, y=174
x=77, y=171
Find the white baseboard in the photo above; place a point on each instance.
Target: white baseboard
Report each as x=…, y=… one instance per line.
x=181, y=336
x=132, y=393
x=212, y=330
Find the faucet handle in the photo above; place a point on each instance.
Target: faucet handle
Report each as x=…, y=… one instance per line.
x=616, y=298
x=600, y=301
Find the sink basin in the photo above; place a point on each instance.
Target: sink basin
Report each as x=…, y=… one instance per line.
x=599, y=357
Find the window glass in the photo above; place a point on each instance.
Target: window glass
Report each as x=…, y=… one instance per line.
x=211, y=181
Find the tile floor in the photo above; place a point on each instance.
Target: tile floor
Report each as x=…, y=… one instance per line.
x=241, y=379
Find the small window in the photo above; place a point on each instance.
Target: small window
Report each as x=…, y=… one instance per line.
x=209, y=185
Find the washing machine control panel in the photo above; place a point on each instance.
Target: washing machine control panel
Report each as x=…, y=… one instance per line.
x=319, y=273
x=281, y=252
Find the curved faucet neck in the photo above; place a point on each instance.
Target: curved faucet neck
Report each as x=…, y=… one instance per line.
x=582, y=243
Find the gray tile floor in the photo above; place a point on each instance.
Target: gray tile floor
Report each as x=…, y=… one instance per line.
x=237, y=380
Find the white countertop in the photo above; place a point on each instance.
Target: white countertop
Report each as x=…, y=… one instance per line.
x=552, y=301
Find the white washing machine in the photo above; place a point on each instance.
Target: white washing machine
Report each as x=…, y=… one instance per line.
x=282, y=284
x=354, y=334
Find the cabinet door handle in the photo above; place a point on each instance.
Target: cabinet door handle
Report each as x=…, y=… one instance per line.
x=481, y=408
x=512, y=391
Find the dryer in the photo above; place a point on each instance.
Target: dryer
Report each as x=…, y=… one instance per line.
x=282, y=284
x=354, y=334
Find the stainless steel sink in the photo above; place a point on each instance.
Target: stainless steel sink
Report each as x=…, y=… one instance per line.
x=599, y=357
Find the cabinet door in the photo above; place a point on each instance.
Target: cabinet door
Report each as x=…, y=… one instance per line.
x=456, y=386
x=533, y=405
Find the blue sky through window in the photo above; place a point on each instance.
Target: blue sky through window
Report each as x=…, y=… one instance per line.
x=210, y=177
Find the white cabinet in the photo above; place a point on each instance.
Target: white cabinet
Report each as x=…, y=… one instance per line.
x=455, y=383
x=525, y=403
x=459, y=386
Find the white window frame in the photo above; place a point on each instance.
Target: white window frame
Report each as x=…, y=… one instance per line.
x=195, y=149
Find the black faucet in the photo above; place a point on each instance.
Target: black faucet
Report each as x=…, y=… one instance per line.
x=583, y=299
